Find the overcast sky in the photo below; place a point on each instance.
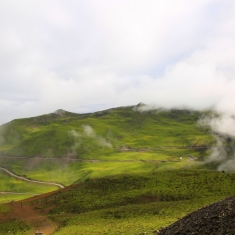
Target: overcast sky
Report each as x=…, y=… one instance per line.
x=89, y=55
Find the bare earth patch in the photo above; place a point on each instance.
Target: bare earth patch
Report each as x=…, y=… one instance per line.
x=28, y=213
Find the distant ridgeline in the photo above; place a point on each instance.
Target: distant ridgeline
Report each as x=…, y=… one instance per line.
x=89, y=136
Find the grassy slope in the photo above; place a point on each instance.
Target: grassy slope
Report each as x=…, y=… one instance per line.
x=113, y=131
x=133, y=203
x=121, y=203
x=10, y=184
x=67, y=172
x=55, y=136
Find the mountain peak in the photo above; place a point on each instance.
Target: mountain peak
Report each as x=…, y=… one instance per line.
x=140, y=104
x=60, y=112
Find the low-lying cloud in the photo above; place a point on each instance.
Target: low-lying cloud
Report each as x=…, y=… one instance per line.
x=218, y=152
x=222, y=126
x=89, y=132
x=223, y=152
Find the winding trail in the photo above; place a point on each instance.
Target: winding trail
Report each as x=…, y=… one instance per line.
x=29, y=180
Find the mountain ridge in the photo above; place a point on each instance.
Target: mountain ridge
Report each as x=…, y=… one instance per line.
x=101, y=131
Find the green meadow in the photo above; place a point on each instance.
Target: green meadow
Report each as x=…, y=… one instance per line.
x=67, y=172
x=22, y=189
x=128, y=172
x=134, y=203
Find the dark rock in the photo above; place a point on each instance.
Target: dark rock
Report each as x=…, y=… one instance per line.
x=216, y=219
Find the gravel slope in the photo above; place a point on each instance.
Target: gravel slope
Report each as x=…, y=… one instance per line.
x=215, y=219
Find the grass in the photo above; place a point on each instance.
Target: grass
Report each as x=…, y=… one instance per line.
x=67, y=172
x=132, y=219
x=130, y=171
x=4, y=209
x=100, y=134
x=134, y=203
x=5, y=198
x=11, y=184
x=15, y=227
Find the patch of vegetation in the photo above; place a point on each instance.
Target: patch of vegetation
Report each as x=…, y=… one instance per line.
x=11, y=184
x=14, y=227
x=141, y=202
x=67, y=172
x=5, y=198
x=102, y=134
x=4, y=209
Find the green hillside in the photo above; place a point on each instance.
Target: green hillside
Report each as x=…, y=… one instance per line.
x=121, y=204
x=95, y=135
x=126, y=171
x=64, y=147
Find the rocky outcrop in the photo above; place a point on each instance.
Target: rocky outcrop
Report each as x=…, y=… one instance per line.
x=216, y=219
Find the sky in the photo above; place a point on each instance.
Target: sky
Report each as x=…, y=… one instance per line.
x=89, y=55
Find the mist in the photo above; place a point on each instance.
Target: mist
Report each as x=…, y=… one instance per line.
x=222, y=125
x=88, y=132
x=222, y=153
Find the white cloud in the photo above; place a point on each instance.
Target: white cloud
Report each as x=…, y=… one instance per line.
x=90, y=55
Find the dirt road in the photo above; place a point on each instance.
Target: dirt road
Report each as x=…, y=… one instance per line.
x=30, y=180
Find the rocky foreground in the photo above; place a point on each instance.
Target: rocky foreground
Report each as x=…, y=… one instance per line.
x=215, y=219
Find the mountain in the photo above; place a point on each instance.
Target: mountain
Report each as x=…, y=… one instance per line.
x=127, y=170
x=86, y=136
